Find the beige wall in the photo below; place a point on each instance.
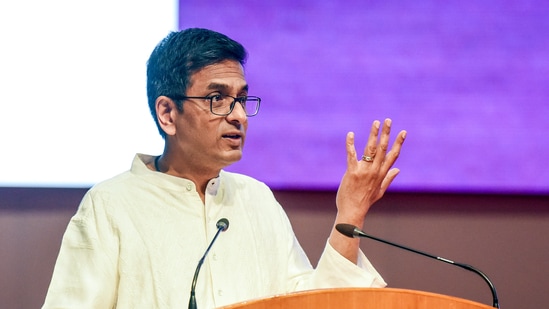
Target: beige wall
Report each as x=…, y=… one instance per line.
x=504, y=236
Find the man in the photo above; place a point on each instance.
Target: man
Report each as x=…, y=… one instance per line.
x=136, y=239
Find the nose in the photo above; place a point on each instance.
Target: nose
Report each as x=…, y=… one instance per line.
x=238, y=114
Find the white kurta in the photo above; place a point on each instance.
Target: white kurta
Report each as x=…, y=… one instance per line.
x=136, y=239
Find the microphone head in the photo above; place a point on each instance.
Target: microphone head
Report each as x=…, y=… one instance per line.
x=346, y=229
x=222, y=224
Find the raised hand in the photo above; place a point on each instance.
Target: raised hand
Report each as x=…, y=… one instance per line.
x=365, y=181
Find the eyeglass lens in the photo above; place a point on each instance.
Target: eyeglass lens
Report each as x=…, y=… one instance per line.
x=223, y=105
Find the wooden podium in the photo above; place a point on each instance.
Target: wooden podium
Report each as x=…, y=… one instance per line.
x=351, y=298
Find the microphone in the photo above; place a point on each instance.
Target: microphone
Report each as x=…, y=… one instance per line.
x=353, y=231
x=222, y=225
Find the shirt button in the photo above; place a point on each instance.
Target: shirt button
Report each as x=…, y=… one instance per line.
x=189, y=187
x=215, y=257
x=220, y=292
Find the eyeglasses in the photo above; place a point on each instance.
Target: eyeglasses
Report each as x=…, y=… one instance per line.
x=223, y=105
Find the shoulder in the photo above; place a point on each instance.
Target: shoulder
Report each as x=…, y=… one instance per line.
x=114, y=191
x=114, y=184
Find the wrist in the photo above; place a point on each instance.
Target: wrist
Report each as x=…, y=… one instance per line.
x=355, y=219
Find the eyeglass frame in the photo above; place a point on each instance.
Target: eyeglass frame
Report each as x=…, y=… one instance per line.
x=232, y=105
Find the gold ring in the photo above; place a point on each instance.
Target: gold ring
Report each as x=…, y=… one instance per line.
x=367, y=158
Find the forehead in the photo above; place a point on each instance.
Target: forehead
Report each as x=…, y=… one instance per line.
x=226, y=75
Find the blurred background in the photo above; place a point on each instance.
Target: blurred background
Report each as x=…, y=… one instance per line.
x=467, y=80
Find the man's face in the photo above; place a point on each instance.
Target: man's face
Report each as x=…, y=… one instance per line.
x=207, y=140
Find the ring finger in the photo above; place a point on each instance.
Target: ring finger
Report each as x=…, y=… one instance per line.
x=371, y=146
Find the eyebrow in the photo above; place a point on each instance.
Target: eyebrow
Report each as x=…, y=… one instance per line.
x=217, y=86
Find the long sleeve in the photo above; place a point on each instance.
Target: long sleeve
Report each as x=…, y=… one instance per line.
x=334, y=270
x=85, y=272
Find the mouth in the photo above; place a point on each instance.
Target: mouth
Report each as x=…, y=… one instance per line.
x=232, y=136
x=235, y=137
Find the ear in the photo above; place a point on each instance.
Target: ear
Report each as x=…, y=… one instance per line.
x=166, y=113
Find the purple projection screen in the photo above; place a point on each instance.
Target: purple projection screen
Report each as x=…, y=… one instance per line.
x=468, y=80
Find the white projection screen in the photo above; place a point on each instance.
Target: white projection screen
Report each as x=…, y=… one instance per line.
x=74, y=108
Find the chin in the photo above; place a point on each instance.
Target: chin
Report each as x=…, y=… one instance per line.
x=233, y=157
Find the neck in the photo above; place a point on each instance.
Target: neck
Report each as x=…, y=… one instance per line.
x=156, y=164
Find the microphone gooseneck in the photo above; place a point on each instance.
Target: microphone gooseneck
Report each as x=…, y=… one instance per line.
x=222, y=225
x=353, y=231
